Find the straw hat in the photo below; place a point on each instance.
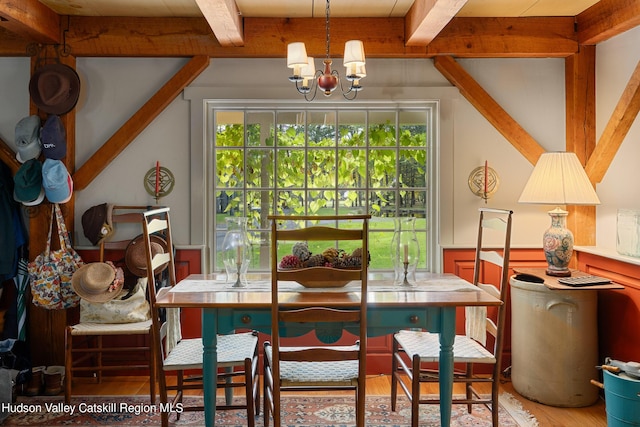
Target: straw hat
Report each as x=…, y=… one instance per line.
x=97, y=282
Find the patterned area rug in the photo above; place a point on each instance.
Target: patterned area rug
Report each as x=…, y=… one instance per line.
x=304, y=411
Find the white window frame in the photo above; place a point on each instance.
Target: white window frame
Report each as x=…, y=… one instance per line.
x=432, y=185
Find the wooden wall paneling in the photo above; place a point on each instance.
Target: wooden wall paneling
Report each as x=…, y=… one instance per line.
x=189, y=261
x=618, y=310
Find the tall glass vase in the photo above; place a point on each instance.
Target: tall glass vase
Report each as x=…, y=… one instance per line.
x=236, y=251
x=405, y=251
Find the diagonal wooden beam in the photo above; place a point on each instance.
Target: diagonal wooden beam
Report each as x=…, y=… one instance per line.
x=489, y=108
x=31, y=20
x=8, y=157
x=138, y=122
x=619, y=124
x=224, y=19
x=427, y=18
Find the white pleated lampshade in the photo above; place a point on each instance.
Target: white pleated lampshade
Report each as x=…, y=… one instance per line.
x=309, y=70
x=353, y=53
x=361, y=71
x=559, y=179
x=296, y=55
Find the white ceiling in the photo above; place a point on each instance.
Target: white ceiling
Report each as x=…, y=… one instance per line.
x=314, y=8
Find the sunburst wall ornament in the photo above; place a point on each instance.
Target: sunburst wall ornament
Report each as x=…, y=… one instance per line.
x=484, y=181
x=159, y=182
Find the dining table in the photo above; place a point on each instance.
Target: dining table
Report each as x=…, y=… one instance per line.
x=430, y=303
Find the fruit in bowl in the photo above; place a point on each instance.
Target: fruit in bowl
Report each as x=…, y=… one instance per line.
x=301, y=257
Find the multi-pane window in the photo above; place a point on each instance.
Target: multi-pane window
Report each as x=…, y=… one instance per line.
x=329, y=161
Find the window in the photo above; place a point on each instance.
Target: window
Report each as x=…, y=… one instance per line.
x=325, y=161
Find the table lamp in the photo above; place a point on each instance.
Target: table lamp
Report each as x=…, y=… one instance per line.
x=559, y=179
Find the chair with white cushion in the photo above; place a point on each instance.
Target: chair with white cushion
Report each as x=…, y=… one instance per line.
x=415, y=352
x=329, y=365
x=93, y=348
x=182, y=358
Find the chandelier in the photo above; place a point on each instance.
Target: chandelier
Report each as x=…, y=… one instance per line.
x=308, y=79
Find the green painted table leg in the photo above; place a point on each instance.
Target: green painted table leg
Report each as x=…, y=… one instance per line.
x=447, y=336
x=210, y=363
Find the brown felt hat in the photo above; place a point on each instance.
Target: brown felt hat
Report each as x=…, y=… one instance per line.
x=97, y=223
x=93, y=282
x=55, y=88
x=136, y=259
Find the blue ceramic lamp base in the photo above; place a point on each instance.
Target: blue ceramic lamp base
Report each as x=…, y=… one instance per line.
x=558, y=244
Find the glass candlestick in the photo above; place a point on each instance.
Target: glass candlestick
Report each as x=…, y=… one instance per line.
x=236, y=251
x=405, y=251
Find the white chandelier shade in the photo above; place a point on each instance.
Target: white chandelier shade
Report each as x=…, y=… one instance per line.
x=308, y=79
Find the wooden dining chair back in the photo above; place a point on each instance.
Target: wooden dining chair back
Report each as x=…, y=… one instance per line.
x=95, y=348
x=180, y=360
x=332, y=364
x=414, y=352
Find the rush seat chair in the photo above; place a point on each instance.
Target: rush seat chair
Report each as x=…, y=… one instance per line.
x=483, y=341
x=86, y=349
x=329, y=365
x=180, y=360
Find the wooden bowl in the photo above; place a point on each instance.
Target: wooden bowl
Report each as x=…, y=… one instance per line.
x=322, y=283
x=319, y=277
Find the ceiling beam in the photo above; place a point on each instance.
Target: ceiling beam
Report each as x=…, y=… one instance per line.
x=138, y=122
x=489, y=108
x=427, y=18
x=30, y=20
x=224, y=19
x=607, y=19
x=263, y=37
x=268, y=38
x=506, y=38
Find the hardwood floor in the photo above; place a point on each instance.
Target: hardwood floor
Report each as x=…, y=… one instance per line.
x=592, y=416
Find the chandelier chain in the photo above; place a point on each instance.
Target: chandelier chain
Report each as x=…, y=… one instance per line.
x=327, y=13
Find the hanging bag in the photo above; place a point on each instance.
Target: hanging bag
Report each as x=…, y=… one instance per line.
x=50, y=272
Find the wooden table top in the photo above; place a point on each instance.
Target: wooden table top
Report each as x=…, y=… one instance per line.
x=432, y=289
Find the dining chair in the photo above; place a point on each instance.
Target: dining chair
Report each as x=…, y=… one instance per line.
x=415, y=352
x=95, y=348
x=332, y=364
x=183, y=358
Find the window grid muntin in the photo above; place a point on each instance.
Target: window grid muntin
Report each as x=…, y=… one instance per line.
x=366, y=190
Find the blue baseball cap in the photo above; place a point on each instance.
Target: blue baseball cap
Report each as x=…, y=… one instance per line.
x=56, y=181
x=54, y=138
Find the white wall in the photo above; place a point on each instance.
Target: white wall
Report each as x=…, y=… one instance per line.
x=531, y=90
x=616, y=59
